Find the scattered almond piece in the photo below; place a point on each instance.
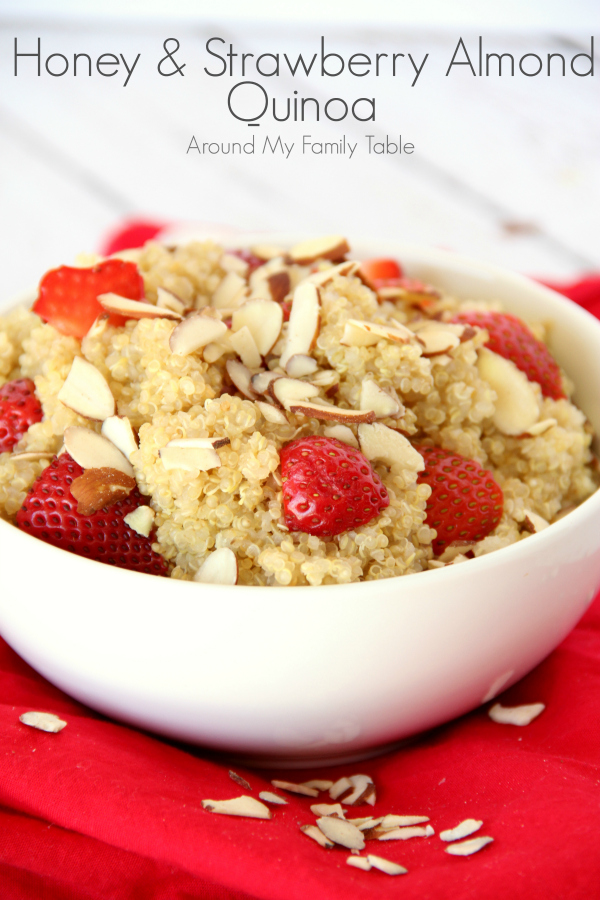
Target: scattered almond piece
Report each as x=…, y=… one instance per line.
x=219, y=567
x=118, y=430
x=405, y=833
x=359, y=862
x=234, y=775
x=319, y=784
x=333, y=247
x=238, y=806
x=195, y=332
x=393, y=821
x=516, y=404
x=462, y=830
x=95, y=489
x=515, y=715
x=135, y=309
x=378, y=442
x=363, y=791
x=466, y=848
x=328, y=809
x=386, y=865
x=92, y=451
x=86, y=391
x=341, y=832
x=341, y=786
x=270, y=797
x=295, y=788
x=313, y=832
x=141, y=520
x=43, y=721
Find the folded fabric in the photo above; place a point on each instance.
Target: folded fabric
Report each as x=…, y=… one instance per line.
x=101, y=811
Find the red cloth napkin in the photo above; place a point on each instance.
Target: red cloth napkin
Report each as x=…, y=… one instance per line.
x=101, y=811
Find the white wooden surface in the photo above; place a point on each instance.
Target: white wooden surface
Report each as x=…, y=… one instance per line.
x=507, y=170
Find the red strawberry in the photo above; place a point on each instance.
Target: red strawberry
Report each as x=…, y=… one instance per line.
x=19, y=409
x=466, y=503
x=50, y=513
x=131, y=234
x=380, y=271
x=328, y=487
x=511, y=338
x=67, y=296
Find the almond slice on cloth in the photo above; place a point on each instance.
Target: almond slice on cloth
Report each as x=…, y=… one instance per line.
x=328, y=809
x=375, y=398
x=515, y=715
x=358, y=333
x=118, y=430
x=238, y=806
x=231, y=292
x=141, y=520
x=313, y=832
x=272, y=414
x=304, y=322
x=404, y=833
x=295, y=788
x=333, y=247
x=270, y=797
x=219, y=567
x=359, y=862
x=342, y=786
x=342, y=433
x=363, y=791
x=319, y=784
x=191, y=459
x=517, y=406
x=239, y=780
x=135, y=309
x=341, y=832
x=329, y=412
x=286, y=391
x=96, y=489
x=92, y=451
x=43, y=721
x=394, y=821
x=241, y=377
x=386, y=865
x=368, y=823
x=245, y=346
x=264, y=319
x=86, y=391
x=462, y=830
x=378, y=442
x=467, y=848
x=168, y=300
x=195, y=332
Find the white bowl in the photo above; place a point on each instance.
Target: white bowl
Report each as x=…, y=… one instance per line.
x=307, y=675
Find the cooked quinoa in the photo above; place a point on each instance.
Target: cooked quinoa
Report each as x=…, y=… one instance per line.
x=442, y=401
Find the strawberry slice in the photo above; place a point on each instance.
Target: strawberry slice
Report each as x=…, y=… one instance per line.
x=328, y=487
x=67, y=296
x=511, y=338
x=379, y=271
x=19, y=409
x=466, y=503
x=50, y=514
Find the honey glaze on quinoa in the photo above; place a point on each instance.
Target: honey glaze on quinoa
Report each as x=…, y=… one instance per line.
x=300, y=342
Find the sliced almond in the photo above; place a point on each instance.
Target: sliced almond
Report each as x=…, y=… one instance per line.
x=245, y=346
x=462, y=830
x=191, y=459
x=272, y=413
x=329, y=412
x=43, y=721
x=326, y=276
x=341, y=832
x=295, y=788
x=279, y=284
x=92, y=451
x=212, y=443
x=261, y=380
x=363, y=791
x=534, y=523
x=456, y=548
x=394, y=821
x=375, y=398
x=437, y=340
x=325, y=378
x=287, y=391
x=359, y=862
x=516, y=404
x=328, y=809
x=267, y=251
x=86, y=391
x=299, y=365
x=141, y=520
x=313, y=832
x=168, y=300
x=31, y=456
x=195, y=332
x=341, y=786
x=96, y=489
x=238, y=806
x=304, y=322
x=118, y=430
x=378, y=442
x=515, y=715
x=241, y=377
x=540, y=427
x=239, y=780
x=368, y=823
x=341, y=433
x=405, y=833
x=263, y=318
x=229, y=262
x=365, y=334
x=231, y=292
x=134, y=309
x=319, y=784
x=333, y=247
x=219, y=567
x=270, y=797
x=467, y=848
x=386, y=865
